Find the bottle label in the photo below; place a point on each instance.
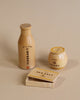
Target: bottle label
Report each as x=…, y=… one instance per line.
x=28, y=53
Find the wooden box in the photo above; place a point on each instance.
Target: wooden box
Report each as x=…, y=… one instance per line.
x=41, y=78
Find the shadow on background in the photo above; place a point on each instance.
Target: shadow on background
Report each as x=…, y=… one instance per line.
x=22, y=79
x=72, y=63
x=11, y=55
x=43, y=59
x=8, y=52
x=59, y=82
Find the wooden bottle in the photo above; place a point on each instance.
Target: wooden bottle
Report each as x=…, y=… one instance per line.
x=26, y=47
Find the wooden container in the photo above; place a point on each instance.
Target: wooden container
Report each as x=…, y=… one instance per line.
x=26, y=47
x=41, y=78
x=57, y=58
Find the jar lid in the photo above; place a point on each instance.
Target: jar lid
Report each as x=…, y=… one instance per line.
x=57, y=50
x=25, y=26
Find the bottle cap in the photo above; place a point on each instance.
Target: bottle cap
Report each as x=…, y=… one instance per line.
x=25, y=26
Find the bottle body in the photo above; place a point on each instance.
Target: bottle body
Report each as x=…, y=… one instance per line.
x=26, y=50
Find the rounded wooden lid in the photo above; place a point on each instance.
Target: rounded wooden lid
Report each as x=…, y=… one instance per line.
x=25, y=26
x=57, y=50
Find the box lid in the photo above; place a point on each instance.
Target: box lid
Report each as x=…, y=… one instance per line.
x=43, y=74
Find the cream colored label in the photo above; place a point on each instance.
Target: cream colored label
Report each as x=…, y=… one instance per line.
x=27, y=50
x=27, y=57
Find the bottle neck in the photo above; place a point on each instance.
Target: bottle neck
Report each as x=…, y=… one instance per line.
x=26, y=32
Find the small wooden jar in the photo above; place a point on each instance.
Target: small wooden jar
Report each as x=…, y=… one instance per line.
x=57, y=58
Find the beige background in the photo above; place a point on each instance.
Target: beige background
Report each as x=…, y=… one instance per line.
x=55, y=23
